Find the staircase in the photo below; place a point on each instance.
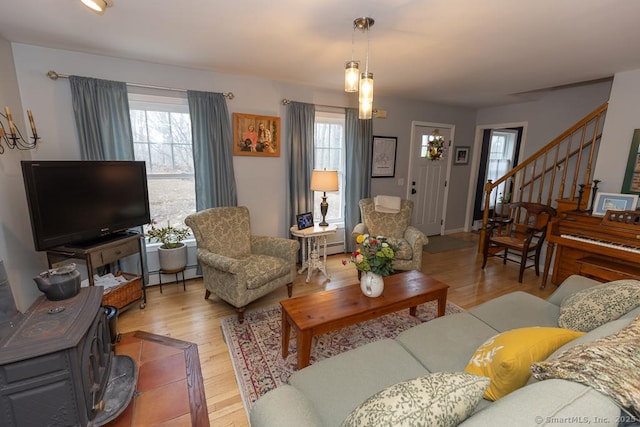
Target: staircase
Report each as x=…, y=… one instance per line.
x=559, y=174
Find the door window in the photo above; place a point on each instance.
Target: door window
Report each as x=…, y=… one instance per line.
x=500, y=161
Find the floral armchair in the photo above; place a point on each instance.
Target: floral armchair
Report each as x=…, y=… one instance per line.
x=239, y=267
x=394, y=226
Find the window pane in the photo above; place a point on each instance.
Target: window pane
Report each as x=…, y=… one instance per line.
x=181, y=128
x=171, y=199
x=161, y=159
x=329, y=154
x=139, y=126
x=162, y=138
x=159, y=127
x=141, y=152
x=183, y=159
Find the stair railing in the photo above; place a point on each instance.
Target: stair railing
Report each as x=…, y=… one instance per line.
x=559, y=174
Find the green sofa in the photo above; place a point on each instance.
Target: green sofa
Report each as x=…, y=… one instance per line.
x=326, y=393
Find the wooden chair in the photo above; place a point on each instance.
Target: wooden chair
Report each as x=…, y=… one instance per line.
x=522, y=233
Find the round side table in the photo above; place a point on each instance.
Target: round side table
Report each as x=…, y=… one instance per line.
x=311, y=258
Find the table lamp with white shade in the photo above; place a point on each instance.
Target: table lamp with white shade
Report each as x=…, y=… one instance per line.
x=324, y=180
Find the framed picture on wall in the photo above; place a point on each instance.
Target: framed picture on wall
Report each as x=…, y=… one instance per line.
x=383, y=157
x=461, y=156
x=256, y=135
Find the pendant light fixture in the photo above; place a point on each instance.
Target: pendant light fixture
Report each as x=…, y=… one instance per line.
x=362, y=82
x=97, y=6
x=365, y=96
x=351, y=76
x=351, y=72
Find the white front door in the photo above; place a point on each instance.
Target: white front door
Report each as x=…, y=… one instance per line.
x=427, y=178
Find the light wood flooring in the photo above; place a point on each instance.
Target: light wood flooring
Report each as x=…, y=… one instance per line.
x=188, y=316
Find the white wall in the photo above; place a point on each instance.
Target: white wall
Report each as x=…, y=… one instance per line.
x=550, y=115
x=261, y=182
x=16, y=244
x=398, y=124
x=255, y=177
x=622, y=119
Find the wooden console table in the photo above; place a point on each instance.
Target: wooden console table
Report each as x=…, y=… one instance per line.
x=103, y=253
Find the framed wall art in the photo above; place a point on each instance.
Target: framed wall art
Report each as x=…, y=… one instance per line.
x=631, y=183
x=613, y=202
x=461, y=156
x=383, y=157
x=256, y=135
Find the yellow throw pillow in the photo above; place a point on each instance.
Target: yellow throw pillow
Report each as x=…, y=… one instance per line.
x=506, y=358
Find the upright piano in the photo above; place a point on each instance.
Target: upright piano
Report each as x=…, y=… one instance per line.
x=603, y=248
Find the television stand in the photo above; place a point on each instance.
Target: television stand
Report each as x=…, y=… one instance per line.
x=100, y=254
x=86, y=244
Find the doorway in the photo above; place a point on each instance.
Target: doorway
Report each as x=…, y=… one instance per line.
x=499, y=154
x=427, y=177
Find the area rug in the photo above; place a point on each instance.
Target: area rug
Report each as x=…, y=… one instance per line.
x=445, y=243
x=256, y=352
x=170, y=388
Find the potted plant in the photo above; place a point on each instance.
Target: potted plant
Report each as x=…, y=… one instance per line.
x=173, y=252
x=502, y=207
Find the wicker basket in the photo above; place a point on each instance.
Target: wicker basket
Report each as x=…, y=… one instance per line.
x=126, y=293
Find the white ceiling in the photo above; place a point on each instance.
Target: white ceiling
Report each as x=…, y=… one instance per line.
x=459, y=52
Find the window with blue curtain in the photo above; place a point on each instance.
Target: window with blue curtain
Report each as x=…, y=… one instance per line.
x=329, y=154
x=161, y=128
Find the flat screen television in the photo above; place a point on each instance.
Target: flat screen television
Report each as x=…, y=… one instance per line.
x=81, y=202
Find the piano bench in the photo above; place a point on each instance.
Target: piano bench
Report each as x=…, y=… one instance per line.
x=606, y=270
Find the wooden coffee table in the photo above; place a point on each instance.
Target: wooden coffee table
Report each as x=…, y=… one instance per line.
x=326, y=311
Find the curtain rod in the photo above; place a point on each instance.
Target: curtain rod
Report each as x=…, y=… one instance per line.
x=53, y=75
x=286, y=101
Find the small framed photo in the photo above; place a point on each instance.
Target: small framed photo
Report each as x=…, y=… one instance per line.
x=613, y=202
x=383, y=157
x=304, y=220
x=461, y=156
x=257, y=136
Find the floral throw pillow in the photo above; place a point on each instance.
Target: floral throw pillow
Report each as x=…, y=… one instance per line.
x=442, y=399
x=610, y=365
x=593, y=307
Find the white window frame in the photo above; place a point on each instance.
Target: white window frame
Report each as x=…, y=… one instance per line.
x=178, y=103
x=322, y=116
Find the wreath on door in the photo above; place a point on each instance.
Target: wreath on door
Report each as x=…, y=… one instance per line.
x=436, y=146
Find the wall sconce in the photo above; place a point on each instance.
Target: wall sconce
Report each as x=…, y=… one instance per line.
x=13, y=139
x=324, y=181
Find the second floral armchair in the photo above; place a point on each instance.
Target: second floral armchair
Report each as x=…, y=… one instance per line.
x=395, y=227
